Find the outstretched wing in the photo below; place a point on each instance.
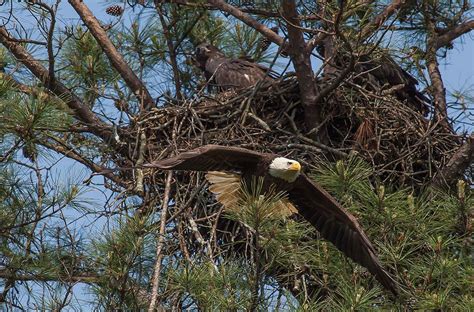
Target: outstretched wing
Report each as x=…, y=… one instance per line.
x=337, y=226
x=211, y=157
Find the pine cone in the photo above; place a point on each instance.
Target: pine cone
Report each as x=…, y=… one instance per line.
x=264, y=42
x=114, y=10
x=30, y=151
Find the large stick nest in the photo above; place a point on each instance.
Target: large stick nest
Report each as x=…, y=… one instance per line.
x=403, y=146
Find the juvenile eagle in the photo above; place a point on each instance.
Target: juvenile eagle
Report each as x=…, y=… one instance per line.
x=388, y=73
x=304, y=196
x=226, y=73
x=380, y=71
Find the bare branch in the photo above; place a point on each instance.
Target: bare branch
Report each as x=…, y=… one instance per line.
x=161, y=241
x=78, y=278
x=116, y=59
x=454, y=33
x=171, y=50
x=437, y=89
x=247, y=19
x=51, y=58
x=437, y=86
x=72, y=154
x=380, y=19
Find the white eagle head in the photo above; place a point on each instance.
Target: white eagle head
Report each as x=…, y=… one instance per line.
x=284, y=168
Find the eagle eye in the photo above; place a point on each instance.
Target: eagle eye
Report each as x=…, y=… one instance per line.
x=289, y=163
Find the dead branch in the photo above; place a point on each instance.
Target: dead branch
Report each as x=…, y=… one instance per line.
x=171, y=49
x=380, y=19
x=161, y=240
x=247, y=19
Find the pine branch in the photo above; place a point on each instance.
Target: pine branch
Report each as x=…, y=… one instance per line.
x=247, y=19
x=437, y=85
x=380, y=19
x=116, y=59
x=300, y=56
x=171, y=49
x=81, y=111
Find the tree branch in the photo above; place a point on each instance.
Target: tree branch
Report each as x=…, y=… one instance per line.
x=51, y=58
x=171, y=49
x=115, y=58
x=81, y=111
x=300, y=57
x=87, y=278
x=161, y=241
x=72, y=154
x=247, y=19
x=79, y=278
x=382, y=17
x=454, y=33
x=437, y=89
x=437, y=86
x=457, y=165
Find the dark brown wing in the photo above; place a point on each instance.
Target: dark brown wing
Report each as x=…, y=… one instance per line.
x=211, y=157
x=239, y=74
x=337, y=226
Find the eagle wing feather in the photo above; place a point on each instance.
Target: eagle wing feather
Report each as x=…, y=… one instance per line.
x=211, y=158
x=337, y=226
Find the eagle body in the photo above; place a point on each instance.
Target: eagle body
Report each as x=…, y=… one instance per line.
x=226, y=73
x=229, y=167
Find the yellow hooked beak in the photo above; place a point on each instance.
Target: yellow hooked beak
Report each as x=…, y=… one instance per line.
x=295, y=166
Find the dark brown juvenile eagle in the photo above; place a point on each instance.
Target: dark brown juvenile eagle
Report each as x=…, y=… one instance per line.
x=388, y=73
x=380, y=71
x=226, y=73
x=304, y=196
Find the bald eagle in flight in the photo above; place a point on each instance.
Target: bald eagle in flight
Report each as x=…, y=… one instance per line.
x=304, y=196
x=226, y=73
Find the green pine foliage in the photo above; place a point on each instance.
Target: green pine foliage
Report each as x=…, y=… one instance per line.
x=209, y=287
x=26, y=120
x=85, y=67
x=122, y=256
x=423, y=238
